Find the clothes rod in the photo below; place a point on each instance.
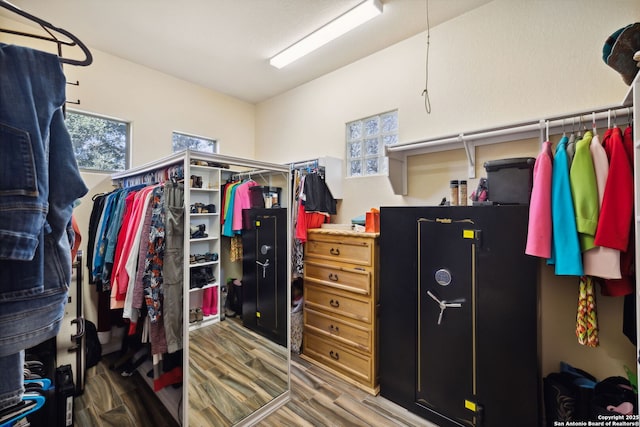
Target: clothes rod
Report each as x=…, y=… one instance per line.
x=581, y=119
x=304, y=164
x=251, y=172
x=172, y=160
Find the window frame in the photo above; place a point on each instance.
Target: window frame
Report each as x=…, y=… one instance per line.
x=128, y=141
x=363, y=139
x=215, y=141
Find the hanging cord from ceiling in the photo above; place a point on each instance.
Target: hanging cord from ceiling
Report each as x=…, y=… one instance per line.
x=425, y=92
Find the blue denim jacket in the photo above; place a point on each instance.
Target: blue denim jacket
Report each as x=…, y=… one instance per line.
x=39, y=182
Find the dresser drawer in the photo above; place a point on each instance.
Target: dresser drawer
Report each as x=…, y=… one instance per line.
x=331, y=327
x=330, y=353
x=355, y=279
x=338, y=302
x=352, y=250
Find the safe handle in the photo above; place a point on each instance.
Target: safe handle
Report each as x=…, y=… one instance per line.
x=334, y=355
x=334, y=251
x=334, y=303
x=333, y=277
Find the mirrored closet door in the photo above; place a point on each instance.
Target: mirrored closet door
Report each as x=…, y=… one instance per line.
x=232, y=285
x=238, y=353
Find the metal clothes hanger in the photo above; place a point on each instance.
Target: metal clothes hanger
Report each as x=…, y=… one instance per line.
x=581, y=127
x=75, y=41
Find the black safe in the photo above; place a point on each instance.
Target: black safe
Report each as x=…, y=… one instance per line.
x=459, y=315
x=265, y=306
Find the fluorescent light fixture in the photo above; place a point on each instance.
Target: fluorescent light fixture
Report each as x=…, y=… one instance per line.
x=343, y=24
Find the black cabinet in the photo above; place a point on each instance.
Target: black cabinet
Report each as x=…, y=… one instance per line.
x=264, y=273
x=459, y=315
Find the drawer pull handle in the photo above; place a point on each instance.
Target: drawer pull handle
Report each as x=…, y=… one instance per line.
x=334, y=355
x=334, y=329
x=334, y=303
x=333, y=277
x=334, y=251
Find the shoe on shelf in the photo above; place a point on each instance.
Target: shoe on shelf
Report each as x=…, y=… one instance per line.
x=199, y=315
x=197, y=208
x=198, y=231
x=211, y=256
x=196, y=181
x=192, y=315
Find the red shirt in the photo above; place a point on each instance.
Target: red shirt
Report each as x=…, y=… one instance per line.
x=626, y=284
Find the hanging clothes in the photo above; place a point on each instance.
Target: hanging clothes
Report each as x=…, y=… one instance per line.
x=571, y=148
x=620, y=152
x=112, y=234
x=40, y=183
x=117, y=296
x=144, y=289
x=317, y=196
x=584, y=190
x=587, y=318
x=617, y=206
x=539, y=234
x=173, y=264
x=297, y=247
x=566, y=255
x=130, y=244
x=224, y=200
x=152, y=278
x=101, y=237
x=600, y=261
x=308, y=220
x=94, y=219
x=314, y=193
x=236, y=249
x=227, y=228
x=242, y=201
x=138, y=301
x=130, y=266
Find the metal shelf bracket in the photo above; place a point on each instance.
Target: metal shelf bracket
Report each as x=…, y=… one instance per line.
x=470, y=150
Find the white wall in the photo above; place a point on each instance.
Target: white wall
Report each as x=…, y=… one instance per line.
x=157, y=104
x=507, y=61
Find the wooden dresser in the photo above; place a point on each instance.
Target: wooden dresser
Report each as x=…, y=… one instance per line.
x=341, y=299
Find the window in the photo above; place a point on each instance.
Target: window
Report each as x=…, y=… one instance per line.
x=366, y=139
x=99, y=143
x=183, y=141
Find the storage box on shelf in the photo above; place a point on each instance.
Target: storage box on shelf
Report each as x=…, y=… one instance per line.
x=204, y=245
x=341, y=299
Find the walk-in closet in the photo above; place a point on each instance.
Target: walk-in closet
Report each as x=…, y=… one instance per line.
x=211, y=217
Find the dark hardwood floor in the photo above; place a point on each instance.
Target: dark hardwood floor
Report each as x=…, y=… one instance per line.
x=233, y=371
x=318, y=398
x=109, y=399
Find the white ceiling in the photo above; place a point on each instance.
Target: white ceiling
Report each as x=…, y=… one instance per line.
x=225, y=45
